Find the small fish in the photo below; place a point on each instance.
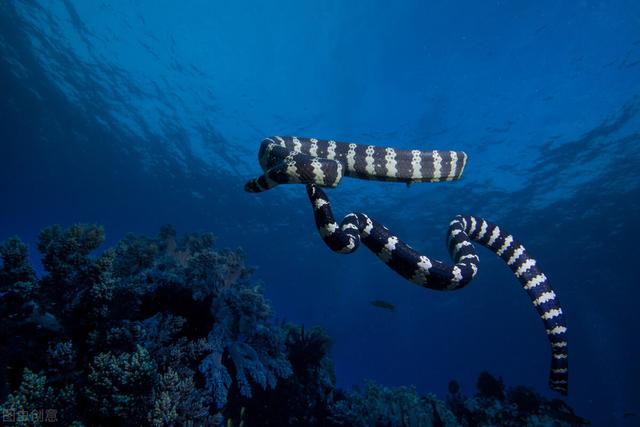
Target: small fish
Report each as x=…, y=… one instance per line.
x=383, y=304
x=628, y=414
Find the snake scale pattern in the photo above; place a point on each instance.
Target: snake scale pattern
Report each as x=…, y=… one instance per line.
x=323, y=163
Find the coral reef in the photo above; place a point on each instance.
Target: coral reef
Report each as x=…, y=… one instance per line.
x=153, y=331
x=302, y=399
x=397, y=406
x=490, y=406
x=517, y=406
x=170, y=331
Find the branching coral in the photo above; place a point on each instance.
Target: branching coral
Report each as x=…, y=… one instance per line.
x=66, y=252
x=119, y=387
x=243, y=331
x=35, y=403
x=15, y=264
x=177, y=401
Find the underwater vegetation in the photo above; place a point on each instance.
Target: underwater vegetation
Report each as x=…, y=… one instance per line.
x=170, y=331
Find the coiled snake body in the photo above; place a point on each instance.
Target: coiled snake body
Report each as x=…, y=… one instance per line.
x=322, y=163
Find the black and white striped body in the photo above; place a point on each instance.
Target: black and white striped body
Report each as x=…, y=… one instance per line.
x=292, y=160
x=322, y=163
x=404, y=260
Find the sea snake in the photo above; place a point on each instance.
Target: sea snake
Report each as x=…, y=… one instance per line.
x=322, y=163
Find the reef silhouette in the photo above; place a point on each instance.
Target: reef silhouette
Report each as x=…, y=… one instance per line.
x=170, y=331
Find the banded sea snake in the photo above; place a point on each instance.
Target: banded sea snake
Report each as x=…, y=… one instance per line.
x=323, y=163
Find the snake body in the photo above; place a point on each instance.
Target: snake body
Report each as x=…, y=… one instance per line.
x=322, y=163
x=291, y=160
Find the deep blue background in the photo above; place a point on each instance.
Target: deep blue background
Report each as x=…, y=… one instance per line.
x=132, y=114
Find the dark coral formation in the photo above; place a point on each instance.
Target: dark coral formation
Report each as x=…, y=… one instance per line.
x=169, y=331
x=304, y=398
x=154, y=331
x=516, y=406
x=398, y=406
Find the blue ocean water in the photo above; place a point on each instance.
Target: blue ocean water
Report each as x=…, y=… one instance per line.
x=137, y=114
